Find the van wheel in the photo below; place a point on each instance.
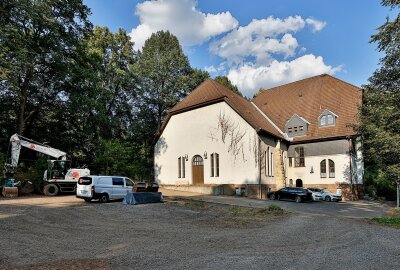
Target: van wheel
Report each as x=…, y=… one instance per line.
x=298, y=199
x=103, y=198
x=88, y=199
x=50, y=190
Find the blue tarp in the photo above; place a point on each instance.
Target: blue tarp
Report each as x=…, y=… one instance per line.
x=142, y=197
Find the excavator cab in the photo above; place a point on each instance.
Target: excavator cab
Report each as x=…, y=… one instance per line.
x=57, y=169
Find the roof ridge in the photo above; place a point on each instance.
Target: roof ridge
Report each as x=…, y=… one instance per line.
x=305, y=79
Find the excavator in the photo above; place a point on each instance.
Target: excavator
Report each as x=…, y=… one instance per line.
x=59, y=176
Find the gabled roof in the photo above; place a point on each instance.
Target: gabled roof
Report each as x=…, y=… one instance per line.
x=210, y=92
x=309, y=98
x=298, y=116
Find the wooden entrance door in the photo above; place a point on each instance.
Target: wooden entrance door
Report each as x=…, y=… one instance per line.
x=197, y=170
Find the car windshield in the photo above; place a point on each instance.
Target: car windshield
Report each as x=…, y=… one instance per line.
x=324, y=190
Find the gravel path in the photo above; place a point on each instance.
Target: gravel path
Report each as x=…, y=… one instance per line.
x=58, y=232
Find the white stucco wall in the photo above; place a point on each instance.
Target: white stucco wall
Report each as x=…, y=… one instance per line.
x=195, y=132
x=304, y=173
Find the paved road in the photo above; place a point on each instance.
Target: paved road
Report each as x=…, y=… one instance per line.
x=66, y=233
x=357, y=209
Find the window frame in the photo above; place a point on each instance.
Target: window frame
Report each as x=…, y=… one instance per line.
x=322, y=168
x=216, y=165
x=299, y=157
x=331, y=162
x=212, y=164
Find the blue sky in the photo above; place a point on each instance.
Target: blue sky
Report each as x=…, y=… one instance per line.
x=259, y=44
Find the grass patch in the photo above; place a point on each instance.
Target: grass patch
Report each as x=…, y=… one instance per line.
x=221, y=215
x=390, y=221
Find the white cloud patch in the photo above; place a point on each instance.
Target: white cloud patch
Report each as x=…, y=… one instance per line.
x=262, y=39
x=181, y=18
x=250, y=78
x=316, y=25
x=266, y=53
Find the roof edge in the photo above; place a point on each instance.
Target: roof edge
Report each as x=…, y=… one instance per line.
x=271, y=122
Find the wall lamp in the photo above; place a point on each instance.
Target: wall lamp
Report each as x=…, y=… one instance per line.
x=312, y=169
x=205, y=154
x=186, y=157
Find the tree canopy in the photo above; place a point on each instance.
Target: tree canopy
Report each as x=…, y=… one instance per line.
x=84, y=89
x=380, y=117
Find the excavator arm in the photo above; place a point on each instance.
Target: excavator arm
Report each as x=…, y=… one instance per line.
x=17, y=141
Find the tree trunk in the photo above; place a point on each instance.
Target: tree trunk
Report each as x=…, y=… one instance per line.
x=21, y=120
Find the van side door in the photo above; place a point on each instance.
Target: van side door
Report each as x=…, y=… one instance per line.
x=119, y=191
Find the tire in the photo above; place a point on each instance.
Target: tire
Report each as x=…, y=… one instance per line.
x=279, y=197
x=50, y=190
x=103, y=198
x=88, y=199
x=272, y=197
x=327, y=198
x=298, y=199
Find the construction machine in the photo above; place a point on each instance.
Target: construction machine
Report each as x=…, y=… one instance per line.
x=59, y=176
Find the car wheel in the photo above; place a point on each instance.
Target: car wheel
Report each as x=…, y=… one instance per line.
x=327, y=198
x=272, y=197
x=103, y=198
x=298, y=199
x=88, y=199
x=279, y=197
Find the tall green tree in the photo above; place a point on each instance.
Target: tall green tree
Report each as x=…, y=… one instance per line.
x=163, y=70
x=380, y=116
x=38, y=39
x=227, y=83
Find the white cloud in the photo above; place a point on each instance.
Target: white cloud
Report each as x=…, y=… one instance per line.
x=316, y=25
x=262, y=39
x=250, y=78
x=181, y=18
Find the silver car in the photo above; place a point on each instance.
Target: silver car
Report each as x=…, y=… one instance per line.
x=325, y=194
x=316, y=194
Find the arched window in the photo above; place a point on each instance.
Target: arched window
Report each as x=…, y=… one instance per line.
x=290, y=182
x=323, y=168
x=323, y=120
x=331, y=169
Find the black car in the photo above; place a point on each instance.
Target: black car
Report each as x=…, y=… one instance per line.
x=291, y=193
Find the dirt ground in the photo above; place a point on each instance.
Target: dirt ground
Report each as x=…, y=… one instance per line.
x=66, y=233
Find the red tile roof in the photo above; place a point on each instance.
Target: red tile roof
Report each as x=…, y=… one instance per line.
x=308, y=98
x=210, y=92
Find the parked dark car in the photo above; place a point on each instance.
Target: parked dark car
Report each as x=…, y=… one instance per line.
x=291, y=193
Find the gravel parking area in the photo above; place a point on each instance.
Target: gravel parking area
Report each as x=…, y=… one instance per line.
x=66, y=233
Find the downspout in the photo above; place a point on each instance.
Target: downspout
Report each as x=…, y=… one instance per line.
x=259, y=167
x=350, y=169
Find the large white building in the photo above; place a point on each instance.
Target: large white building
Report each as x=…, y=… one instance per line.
x=299, y=134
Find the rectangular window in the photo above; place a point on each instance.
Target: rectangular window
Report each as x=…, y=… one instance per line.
x=299, y=157
x=117, y=181
x=295, y=129
x=267, y=164
x=301, y=128
x=290, y=130
x=290, y=162
x=272, y=164
x=183, y=167
x=179, y=167
x=212, y=164
x=217, y=164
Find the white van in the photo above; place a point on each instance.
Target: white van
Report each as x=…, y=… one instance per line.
x=103, y=188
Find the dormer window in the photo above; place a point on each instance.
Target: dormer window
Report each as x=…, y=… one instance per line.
x=296, y=126
x=327, y=118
